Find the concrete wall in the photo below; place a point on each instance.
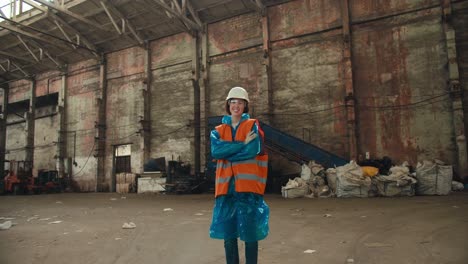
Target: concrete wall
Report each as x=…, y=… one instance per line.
x=82, y=84
x=172, y=98
x=16, y=125
x=125, y=76
x=460, y=23
x=399, y=64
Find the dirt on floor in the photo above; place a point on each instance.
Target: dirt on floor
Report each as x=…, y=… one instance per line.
x=87, y=228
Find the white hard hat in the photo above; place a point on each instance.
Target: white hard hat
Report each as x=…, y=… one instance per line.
x=238, y=92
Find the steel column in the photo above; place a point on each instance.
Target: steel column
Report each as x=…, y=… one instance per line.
x=205, y=91
x=100, y=138
x=267, y=63
x=196, y=101
x=3, y=125
x=455, y=90
x=348, y=82
x=145, y=118
x=62, y=132
x=30, y=123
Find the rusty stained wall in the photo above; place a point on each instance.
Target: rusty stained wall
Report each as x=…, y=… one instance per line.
x=45, y=140
x=45, y=131
x=364, y=10
x=236, y=60
x=16, y=141
x=460, y=24
x=400, y=84
x=81, y=108
x=16, y=131
x=172, y=105
x=303, y=17
x=125, y=77
x=19, y=91
x=240, y=32
x=308, y=91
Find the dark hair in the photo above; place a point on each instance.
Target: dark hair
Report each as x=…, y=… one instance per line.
x=246, y=108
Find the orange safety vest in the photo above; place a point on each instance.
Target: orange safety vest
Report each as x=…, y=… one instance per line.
x=250, y=175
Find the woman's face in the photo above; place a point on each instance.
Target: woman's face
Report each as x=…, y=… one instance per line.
x=236, y=106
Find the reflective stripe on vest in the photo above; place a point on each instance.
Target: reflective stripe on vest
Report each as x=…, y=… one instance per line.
x=250, y=175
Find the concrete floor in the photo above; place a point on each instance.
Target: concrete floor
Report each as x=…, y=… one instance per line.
x=375, y=230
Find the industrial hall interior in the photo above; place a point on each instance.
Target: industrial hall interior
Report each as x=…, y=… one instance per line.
x=108, y=110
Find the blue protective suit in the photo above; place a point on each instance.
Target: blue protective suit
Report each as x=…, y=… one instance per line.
x=238, y=215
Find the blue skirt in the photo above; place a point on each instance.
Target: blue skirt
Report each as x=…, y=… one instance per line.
x=240, y=215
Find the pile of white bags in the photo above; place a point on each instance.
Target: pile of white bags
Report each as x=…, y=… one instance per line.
x=295, y=188
x=434, y=178
x=398, y=183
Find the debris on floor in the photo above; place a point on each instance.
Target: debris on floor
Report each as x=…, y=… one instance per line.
x=129, y=225
x=377, y=245
x=5, y=225
x=457, y=186
x=32, y=218
x=168, y=209
x=309, y=251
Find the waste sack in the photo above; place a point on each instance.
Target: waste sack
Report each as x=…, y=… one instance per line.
x=295, y=188
x=434, y=178
x=331, y=179
x=351, y=182
x=398, y=183
x=305, y=172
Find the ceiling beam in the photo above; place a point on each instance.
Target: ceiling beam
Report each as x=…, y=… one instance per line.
x=157, y=10
x=81, y=37
x=27, y=34
x=173, y=12
x=27, y=47
x=64, y=33
x=50, y=14
x=111, y=18
x=258, y=6
x=188, y=5
x=175, y=4
x=75, y=16
x=26, y=74
x=11, y=56
x=128, y=24
x=60, y=64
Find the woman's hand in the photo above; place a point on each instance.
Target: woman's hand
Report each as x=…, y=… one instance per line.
x=251, y=136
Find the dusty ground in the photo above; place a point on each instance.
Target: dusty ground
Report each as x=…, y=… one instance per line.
x=378, y=230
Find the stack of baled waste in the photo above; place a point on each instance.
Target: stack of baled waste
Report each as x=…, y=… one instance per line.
x=351, y=182
x=399, y=182
x=318, y=182
x=312, y=183
x=295, y=188
x=434, y=178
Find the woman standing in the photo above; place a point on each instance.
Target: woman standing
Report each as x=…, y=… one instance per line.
x=241, y=174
